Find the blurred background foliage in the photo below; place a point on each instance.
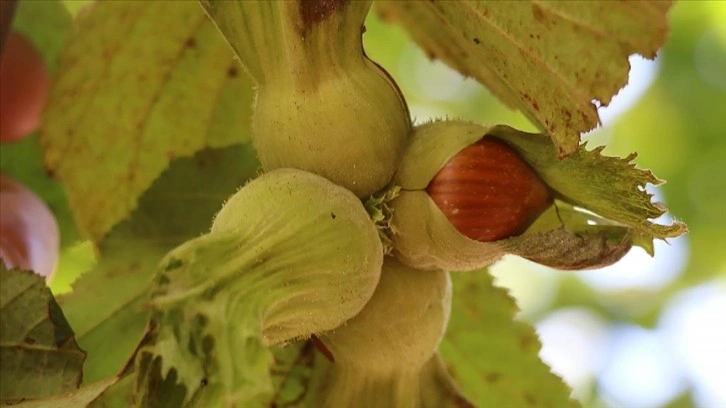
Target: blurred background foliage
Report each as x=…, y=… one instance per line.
x=646, y=332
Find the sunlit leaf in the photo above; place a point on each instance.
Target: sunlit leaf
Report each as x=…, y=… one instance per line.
x=550, y=59
x=38, y=354
x=139, y=84
x=106, y=306
x=117, y=395
x=493, y=358
x=78, y=398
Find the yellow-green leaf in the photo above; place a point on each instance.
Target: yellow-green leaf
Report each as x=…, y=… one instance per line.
x=81, y=397
x=493, y=358
x=39, y=356
x=550, y=59
x=139, y=84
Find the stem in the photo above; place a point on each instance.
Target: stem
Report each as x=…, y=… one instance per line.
x=292, y=43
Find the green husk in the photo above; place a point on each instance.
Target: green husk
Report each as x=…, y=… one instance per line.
x=289, y=255
x=612, y=187
x=322, y=105
x=427, y=239
x=386, y=355
x=602, y=208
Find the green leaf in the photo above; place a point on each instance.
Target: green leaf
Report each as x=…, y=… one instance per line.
x=139, y=84
x=550, y=59
x=119, y=395
x=494, y=358
x=81, y=397
x=38, y=354
x=107, y=304
x=47, y=25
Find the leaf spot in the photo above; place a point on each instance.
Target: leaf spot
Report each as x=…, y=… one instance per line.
x=174, y=264
x=526, y=341
x=493, y=377
x=315, y=11
x=538, y=13
x=232, y=72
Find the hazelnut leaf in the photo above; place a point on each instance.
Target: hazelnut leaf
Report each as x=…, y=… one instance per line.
x=82, y=397
x=144, y=83
x=611, y=187
x=548, y=59
x=39, y=353
x=494, y=358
